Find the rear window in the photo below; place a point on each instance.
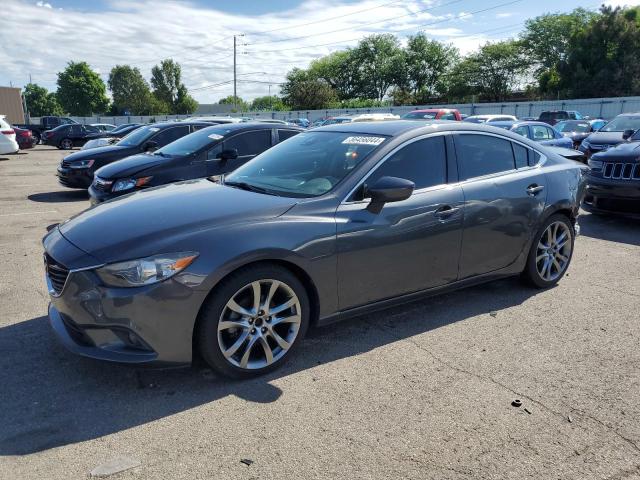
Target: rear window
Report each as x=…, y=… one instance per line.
x=420, y=115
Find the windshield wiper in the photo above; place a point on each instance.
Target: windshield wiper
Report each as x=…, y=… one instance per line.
x=249, y=187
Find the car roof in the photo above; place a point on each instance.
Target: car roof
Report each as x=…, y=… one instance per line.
x=630, y=114
x=429, y=110
x=226, y=128
x=512, y=123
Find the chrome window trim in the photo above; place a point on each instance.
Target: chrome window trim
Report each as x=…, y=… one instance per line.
x=541, y=162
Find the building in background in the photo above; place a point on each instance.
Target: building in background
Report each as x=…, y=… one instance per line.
x=11, y=104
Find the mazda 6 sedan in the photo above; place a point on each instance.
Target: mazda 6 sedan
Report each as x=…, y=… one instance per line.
x=333, y=222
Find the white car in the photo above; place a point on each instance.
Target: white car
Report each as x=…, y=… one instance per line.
x=375, y=117
x=490, y=118
x=8, y=142
x=103, y=127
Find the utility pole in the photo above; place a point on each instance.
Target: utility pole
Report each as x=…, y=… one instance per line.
x=235, y=96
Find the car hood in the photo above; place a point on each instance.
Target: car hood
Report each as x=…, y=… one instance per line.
x=605, y=138
x=130, y=166
x=98, y=152
x=150, y=221
x=628, y=151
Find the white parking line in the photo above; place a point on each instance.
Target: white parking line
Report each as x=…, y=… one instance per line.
x=27, y=213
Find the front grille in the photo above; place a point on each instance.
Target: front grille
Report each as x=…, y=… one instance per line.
x=621, y=171
x=102, y=185
x=56, y=272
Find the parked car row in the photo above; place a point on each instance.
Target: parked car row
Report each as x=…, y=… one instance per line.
x=321, y=225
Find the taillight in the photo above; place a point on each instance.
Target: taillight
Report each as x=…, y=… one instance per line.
x=9, y=132
x=25, y=133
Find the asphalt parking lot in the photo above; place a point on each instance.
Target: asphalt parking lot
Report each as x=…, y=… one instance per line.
x=422, y=391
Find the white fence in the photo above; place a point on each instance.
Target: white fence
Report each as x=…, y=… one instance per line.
x=606, y=108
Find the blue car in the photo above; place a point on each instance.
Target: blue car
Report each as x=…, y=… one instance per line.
x=537, y=131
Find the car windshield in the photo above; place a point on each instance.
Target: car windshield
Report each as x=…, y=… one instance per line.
x=307, y=165
x=476, y=119
x=420, y=115
x=119, y=128
x=620, y=124
x=138, y=136
x=580, y=127
x=193, y=142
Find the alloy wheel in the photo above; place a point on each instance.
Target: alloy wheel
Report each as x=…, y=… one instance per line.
x=554, y=251
x=66, y=144
x=259, y=324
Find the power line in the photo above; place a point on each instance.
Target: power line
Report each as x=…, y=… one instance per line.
x=354, y=27
x=463, y=15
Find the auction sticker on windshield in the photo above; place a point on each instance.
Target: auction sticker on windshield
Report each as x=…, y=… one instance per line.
x=215, y=136
x=363, y=140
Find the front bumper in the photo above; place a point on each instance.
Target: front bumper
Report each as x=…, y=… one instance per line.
x=152, y=324
x=74, y=177
x=615, y=196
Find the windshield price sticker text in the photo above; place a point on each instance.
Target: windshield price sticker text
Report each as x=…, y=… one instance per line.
x=363, y=140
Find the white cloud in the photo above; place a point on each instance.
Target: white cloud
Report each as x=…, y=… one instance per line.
x=504, y=15
x=201, y=39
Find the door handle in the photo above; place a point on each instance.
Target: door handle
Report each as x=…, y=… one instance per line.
x=445, y=211
x=534, y=189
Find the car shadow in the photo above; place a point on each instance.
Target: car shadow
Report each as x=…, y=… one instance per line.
x=613, y=228
x=60, y=196
x=53, y=398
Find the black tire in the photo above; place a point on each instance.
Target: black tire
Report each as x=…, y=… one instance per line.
x=207, y=339
x=37, y=137
x=64, y=144
x=531, y=274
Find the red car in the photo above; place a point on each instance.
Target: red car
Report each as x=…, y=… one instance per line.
x=25, y=138
x=434, y=114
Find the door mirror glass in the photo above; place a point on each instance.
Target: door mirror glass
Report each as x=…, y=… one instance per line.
x=229, y=154
x=388, y=189
x=150, y=146
x=627, y=133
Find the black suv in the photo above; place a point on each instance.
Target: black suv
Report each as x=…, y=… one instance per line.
x=76, y=170
x=554, y=116
x=613, y=180
x=208, y=152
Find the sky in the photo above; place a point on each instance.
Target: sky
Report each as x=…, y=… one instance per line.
x=38, y=38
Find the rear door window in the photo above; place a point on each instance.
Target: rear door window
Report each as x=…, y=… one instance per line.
x=284, y=134
x=250, y=143
x=541, y=132
x=168, y=135
x=480, y=155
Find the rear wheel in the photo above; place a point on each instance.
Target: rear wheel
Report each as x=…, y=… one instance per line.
x=66, y=144
x=253, y=322
x=550, y=252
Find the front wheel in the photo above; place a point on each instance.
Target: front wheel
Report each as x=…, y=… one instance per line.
x=253, y=322
x=550, y=252
x=66, y=144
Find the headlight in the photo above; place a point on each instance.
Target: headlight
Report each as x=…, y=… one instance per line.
x=129, y=183
x=145, y=271
x=81, y=164
x=595, y=164
x=585, y=144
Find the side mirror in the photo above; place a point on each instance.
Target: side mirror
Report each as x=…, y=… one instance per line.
x=150, y=146
x=627, y=133
x=388, y=189
x=229, y=154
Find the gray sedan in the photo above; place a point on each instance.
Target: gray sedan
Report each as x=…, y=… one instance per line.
x=336, y=221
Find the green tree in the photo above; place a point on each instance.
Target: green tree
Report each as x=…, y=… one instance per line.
x=340, y=71
x=81, y=91
x=602, y=58
x=493, y=72
x=380, y=62
x=427, y=64
x=41, y=102
x=302, y=92
x=166, y=80
x=237, y=101
x=267, y=102
x=130, y=91
x=547, y=41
